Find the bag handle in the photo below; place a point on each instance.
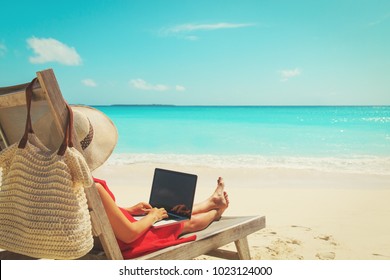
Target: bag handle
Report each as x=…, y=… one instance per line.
x=28, y=129
x=67, y=142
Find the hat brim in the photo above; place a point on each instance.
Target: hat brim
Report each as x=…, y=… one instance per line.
x=105, y=136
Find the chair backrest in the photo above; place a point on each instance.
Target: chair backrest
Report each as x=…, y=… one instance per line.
x=49, y=114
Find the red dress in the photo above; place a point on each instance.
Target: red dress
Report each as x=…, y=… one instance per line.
x=153, y=239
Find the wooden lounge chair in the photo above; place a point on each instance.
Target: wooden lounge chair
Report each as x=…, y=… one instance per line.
x=52, y=110
x=218, y=234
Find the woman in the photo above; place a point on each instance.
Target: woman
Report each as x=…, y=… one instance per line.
x=98, y=137
x=136, y=238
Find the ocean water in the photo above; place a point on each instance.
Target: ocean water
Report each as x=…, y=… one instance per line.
x=352, y=139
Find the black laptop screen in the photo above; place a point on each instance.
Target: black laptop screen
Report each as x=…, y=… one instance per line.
x=173, y=191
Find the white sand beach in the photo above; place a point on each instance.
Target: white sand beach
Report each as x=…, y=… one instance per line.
x=310, y=214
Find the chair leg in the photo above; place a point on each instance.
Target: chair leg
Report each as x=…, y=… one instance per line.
x=243, y=249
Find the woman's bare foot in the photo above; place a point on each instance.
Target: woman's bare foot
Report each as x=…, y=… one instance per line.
x=220, y=198
x=226, y=198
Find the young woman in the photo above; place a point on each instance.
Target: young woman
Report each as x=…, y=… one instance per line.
x=136, y=238
x=98, y=137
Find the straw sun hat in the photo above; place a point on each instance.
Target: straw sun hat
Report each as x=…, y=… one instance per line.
x=96, y=132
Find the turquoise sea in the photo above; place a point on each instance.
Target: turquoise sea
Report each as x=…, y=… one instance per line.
x=352, y=139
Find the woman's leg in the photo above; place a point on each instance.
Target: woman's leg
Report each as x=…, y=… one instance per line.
x=200, y=221
x=215, y=201
x=208, y=211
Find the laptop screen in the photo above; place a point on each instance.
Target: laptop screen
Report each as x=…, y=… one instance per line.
x=174, y=191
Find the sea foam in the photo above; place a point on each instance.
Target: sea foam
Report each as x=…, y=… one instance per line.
x=357, y=164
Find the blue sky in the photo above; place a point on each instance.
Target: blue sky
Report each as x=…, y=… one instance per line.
x=202, y=52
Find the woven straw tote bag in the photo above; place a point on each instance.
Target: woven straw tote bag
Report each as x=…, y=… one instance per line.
x=43, y=207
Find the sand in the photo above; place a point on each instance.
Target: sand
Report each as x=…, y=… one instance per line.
x=310, y=214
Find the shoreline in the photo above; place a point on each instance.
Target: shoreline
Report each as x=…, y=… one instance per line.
x=310, y=214
x=357, y=164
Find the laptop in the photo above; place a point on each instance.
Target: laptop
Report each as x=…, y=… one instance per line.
x=175, y=192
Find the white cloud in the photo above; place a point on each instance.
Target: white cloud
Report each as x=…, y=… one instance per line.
x=51, y=50
x=193, y=27
x=3, y=49
x=289, y=73
x=143, y=85
x=191, y=38
x=180, y=88
x=379, y=21
x=213, y=26
x=89, y=83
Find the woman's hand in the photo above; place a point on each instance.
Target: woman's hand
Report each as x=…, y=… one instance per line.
x=141, y=208
x=158, y=214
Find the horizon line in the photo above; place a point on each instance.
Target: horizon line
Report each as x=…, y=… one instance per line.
x=173, y=105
